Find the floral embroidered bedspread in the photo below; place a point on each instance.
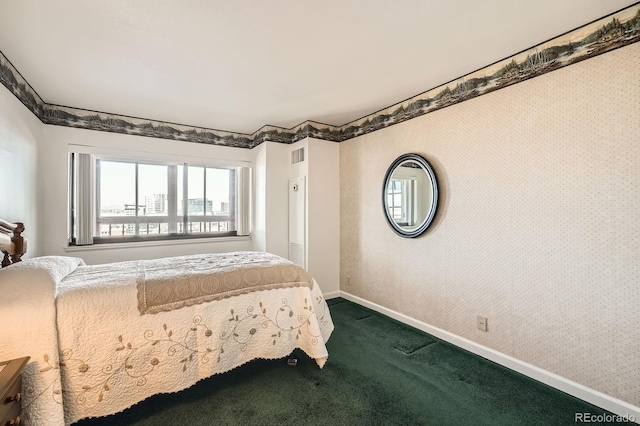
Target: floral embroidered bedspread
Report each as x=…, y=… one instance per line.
x=108, y=356
x=28, y=318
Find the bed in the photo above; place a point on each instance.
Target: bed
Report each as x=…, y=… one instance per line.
x=12, y=243
x=102, y=338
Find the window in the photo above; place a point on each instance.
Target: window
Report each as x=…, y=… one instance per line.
x=122, y=200
x=401, y=200
x=394, y=200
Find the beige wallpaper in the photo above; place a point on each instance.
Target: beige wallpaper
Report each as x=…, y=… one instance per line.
x=538, y=225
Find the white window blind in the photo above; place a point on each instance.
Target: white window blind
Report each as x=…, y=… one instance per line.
x=85, y=194
x=243, y=218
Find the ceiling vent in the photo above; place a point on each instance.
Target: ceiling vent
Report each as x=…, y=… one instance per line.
x=297, y=156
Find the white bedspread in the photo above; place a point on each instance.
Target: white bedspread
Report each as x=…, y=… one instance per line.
x=27, y=328
x=111, y=357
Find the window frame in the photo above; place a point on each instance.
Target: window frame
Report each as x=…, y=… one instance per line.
x=174, y=221
x=407, y=200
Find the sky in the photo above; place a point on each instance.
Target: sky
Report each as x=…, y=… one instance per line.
x=117, y=182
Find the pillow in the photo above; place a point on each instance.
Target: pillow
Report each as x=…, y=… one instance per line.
x=6, y=244
x=48, y=269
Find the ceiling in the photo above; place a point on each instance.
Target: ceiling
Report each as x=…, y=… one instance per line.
x=237, y=65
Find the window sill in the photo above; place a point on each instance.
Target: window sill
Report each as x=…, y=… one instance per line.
x=109, y=246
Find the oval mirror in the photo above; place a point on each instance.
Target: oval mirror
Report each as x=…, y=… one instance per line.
x=410, y=195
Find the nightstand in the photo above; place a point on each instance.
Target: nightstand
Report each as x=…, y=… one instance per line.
x=10, y=388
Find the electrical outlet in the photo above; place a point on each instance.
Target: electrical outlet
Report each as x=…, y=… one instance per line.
x=349, y=280
x=482, y=323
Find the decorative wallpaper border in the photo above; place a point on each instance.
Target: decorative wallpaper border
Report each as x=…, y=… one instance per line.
x=611, y=32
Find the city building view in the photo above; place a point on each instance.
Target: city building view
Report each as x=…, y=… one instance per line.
x=156, y=206
x=208, y=210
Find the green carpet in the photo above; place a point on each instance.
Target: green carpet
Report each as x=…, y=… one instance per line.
x=380, y=372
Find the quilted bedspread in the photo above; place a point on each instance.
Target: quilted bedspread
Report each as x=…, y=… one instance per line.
x=108, y=356
x=190, y=280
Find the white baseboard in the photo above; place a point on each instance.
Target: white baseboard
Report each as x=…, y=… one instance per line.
x=563, y=384
x=332, y=294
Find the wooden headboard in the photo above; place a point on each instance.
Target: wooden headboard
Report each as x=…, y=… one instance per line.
x=11, y=241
